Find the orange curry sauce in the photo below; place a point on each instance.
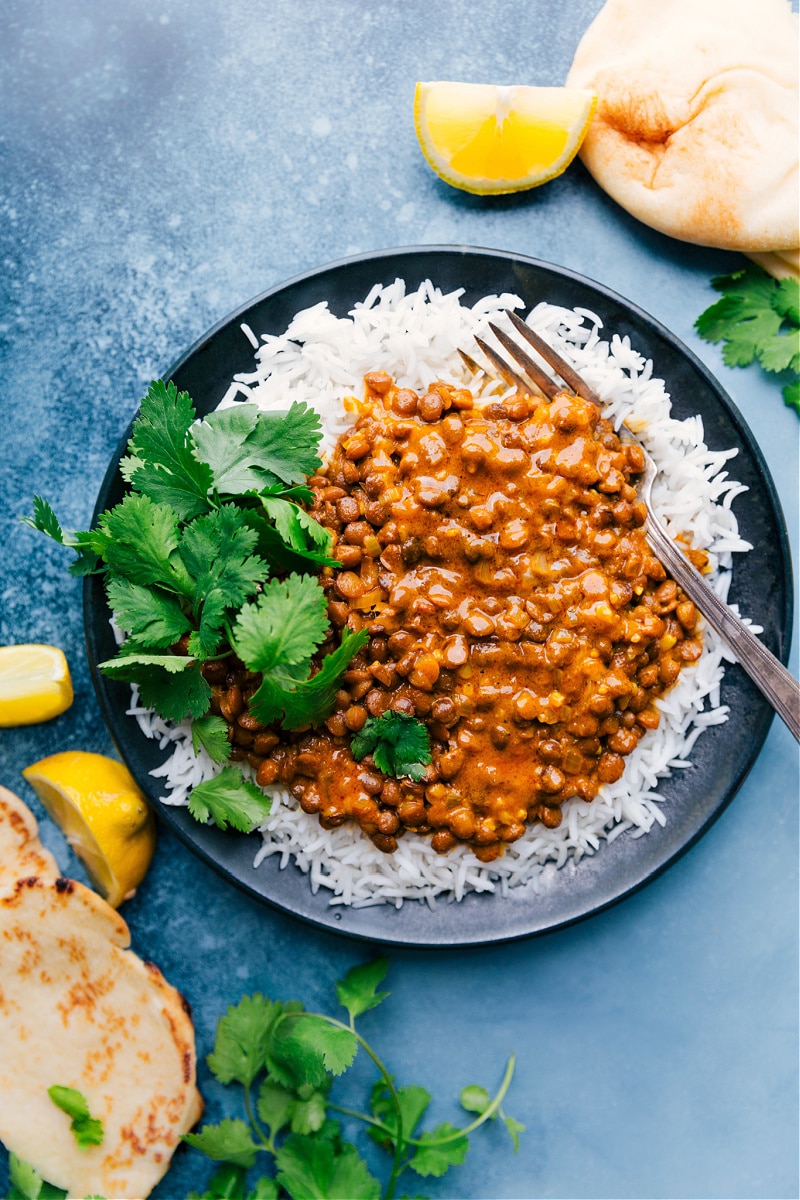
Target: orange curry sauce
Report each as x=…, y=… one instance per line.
x=495, y=555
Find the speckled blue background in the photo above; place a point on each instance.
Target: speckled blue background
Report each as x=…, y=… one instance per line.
x=159, y=164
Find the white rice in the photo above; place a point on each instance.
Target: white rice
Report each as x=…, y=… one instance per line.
x=322, y=359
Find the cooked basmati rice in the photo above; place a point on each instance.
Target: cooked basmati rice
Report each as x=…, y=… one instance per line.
x=322, y=359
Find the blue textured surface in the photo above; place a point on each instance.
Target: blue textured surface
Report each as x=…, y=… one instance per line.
x=159, y=164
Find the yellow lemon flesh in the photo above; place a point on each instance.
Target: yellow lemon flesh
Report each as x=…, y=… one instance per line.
x=490, y=140
x=35, y=684
x=103, y=815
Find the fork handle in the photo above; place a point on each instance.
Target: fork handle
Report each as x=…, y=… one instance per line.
x=780, y=688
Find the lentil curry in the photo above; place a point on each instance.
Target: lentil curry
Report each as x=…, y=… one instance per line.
x=496, y=557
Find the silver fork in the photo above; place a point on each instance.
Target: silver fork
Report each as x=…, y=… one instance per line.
x=769, y=675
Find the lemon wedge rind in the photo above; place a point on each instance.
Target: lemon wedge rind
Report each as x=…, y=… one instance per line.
x=103, y=815
x=492, y=140
x=35, y=684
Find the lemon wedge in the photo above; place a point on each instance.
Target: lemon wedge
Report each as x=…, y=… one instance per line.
x=35, y=684
x=103, y=815
x=489, y=139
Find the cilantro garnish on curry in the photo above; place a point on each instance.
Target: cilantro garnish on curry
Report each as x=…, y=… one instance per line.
x=211, y=554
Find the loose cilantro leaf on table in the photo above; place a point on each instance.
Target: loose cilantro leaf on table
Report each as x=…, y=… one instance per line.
x=27, y=1183
x=88, y=1130
x=228, y=1142
x=293, y=1058
x=757, y=318
x=211, y=553
x=357, y=992
x=399, y=744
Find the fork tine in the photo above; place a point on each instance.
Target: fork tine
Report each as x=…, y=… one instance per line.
x=470, y=364
x=539, y=377
x=559, y=364
x=507, y=372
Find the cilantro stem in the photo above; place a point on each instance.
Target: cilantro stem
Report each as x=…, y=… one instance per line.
x=486, y=1115
x=396, y=1136
x=248, y=1108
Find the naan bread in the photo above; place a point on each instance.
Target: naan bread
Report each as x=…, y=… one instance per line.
x=696, y=130
x=21, y=852
x=77, y=1008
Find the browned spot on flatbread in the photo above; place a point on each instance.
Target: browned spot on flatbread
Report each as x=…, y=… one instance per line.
x=64, y=886
x=187, y=1065
x=84, y=995
x=637, y=117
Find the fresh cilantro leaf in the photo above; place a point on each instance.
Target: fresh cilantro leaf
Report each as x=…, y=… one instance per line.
x=167, y=470
x=295, y=1063
x=287, y=445
x=356, y=992
x=139, y=540
x=314, y=1169
x=751, y=320
x=308, y=1116
x=475, y=1099
x=212, y=734
x=284, y=626
x=275, y=1106
x=306, y=701
x=335, y=1047
x=791, y=395
x=281, y=557
x=131, y=655
x=514, y=1129
x=780, y=352
x=229, y=1142
x=265, y=1189
x=399, y=744
x=242, y=1039
x=173, y=696
x=786, y=300
x=217, y=552
x=298, y=530
x=27, y=1183
x=220, y=440
x=88, y=1130
x=229, y=799
x=435, y=1157
x=413, y=1104
x=45, y=521
x=249, y=450
x=154, y=617
x=301, y=493
x=227, y=1183
x=172, y=684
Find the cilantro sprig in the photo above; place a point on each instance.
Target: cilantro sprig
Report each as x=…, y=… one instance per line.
x=757, y=318
x=289, y=1059
x=211, y=553
x=399, y=744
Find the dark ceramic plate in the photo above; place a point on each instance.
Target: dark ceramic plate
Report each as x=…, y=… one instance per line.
x=761, y=585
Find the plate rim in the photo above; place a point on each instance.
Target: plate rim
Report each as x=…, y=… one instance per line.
x=176, y=816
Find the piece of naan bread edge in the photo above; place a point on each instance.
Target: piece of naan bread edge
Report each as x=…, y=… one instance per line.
x=78, y=1008
x=696, y=129
x=21, y=852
